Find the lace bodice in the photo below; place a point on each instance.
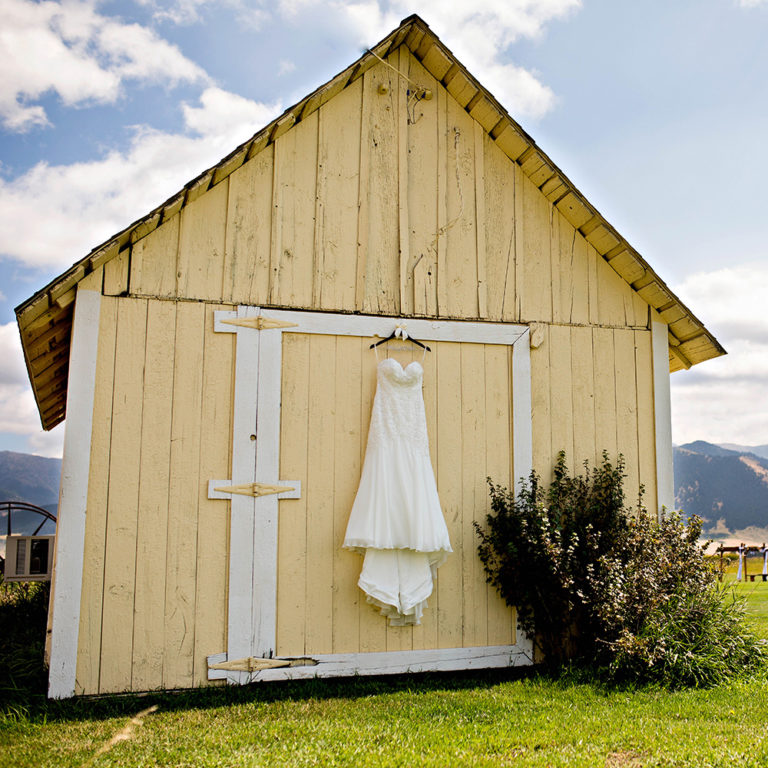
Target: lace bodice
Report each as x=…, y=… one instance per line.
x=398, y=407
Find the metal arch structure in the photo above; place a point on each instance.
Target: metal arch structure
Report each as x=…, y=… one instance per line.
x=8, y=507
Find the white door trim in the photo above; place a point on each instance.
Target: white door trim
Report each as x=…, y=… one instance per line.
x=252, y=614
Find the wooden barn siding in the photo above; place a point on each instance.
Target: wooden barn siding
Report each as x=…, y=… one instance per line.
x=361, y=208
x=327, y=395
x=154, y=592
x=593, y=391
x=353, y=209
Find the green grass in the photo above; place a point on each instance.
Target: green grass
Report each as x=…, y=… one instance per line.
x=483, y=719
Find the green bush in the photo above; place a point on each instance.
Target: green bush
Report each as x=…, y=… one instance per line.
x=23, y=619
x=596, y=581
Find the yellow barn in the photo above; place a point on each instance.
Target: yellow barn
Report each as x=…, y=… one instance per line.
x=213, y=364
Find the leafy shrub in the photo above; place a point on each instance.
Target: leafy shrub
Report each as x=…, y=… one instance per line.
x=23, y=619
x=595, y=580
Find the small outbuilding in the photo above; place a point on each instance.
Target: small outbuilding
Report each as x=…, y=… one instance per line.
x=213, y=364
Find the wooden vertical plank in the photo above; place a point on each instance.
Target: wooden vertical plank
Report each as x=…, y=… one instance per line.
x=605, y=392
x=443, y=180
x=423, y=194
x=186, y=434
x=248, y=232
x=373, y=627
x=338, y=181
x=474, y=471
x=149, y=605
x=665, y=485
x=498, y=452
x=292, y=520
x=153, y=261
x=210, y=618
x=537, y=266
x=612, y=290
x=460, y=238
x=499, y=214
x=541, y=415
x=482, y=280
x=645, y=418
x=293, y=222
x=449, y=486
x=378, y=225
x=572, y=304
x=626, y=409
x=346, y=474
x=593, y=285
x=426, y=634
x=403, y=118
x=320, y=477
x=122, y=501
x=561, y=399
x=116, y=274
x=89, y=634
x=202, y=238
x=583, y=395
x=521, y=257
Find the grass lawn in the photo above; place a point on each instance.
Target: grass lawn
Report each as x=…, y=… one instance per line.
x=488, y=719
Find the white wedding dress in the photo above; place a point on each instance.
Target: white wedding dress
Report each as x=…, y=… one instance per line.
x=396, y=519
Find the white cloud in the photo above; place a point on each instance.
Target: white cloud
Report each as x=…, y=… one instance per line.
x=480, y=36
x=67, y=47
x=751, y=3
x=85, y=203
x=18, y=413
x=726, y=399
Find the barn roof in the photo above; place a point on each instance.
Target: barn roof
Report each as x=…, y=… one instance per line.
x=45, y=319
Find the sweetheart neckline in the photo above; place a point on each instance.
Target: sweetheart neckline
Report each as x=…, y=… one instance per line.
x=400, y=365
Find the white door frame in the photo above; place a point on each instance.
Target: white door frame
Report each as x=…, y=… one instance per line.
x=252, y=610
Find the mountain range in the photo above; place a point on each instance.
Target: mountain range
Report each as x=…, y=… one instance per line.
x=726, y=485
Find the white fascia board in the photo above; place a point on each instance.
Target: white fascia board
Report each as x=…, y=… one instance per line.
x=73, y=495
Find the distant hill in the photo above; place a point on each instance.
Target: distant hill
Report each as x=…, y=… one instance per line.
x=758, y=450
x=727, y=488
x=34, y=479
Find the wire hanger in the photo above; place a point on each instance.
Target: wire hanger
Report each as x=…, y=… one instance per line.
x=401, y=333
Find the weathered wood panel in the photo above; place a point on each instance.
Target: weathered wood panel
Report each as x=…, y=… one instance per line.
x=292, y=517
x=186, y=436
x=200, y=265
x=216, y=408
x=153, y=261
x=151, y=550
x=294, y=190
x=327, y=395
x=338, y=172
x=500, y=232
x=378, y=255
x=122, y=497
x=249, y=229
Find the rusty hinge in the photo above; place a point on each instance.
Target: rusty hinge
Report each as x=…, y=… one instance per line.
x=256, y=664
x=255, y=489
x=260, y=323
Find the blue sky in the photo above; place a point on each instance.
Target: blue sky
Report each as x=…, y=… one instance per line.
x=657, y=111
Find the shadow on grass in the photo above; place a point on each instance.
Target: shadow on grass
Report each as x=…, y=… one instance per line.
x=23, y=676
x=32, y=705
